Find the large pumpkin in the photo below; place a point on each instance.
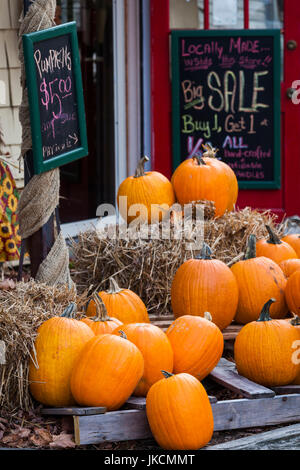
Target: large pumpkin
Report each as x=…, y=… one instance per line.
x=203, y=285
x=293, y=239
x=101, y=323
x=263, y=350
x=289, y=266
x=259, y=279
x=197, y=344
x=274, y=248
x=57, y=347
x=122, y=304
x=106, y=372
x=146, y=192
x=205, y=178
x=156, y=350
x=179, y=413
x=292, y=293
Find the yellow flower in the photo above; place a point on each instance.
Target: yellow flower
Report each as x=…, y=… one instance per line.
x=10, y=246
x=7, y=185
x=12, y=202
x=17, y=233
x=1, y=191
x=1, y=245
x=14, y=219
x=5, y=230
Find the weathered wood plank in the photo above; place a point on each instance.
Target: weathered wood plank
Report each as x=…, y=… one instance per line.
x=139, y=403
x=286, y=438
x=225, y=374
x=74, y=411
x=286, y=389
x=123, y=425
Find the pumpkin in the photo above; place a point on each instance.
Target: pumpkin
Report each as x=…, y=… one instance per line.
x=203, y=285
x=292, y=293
x=106, y=372
x=179, y=413
x=289, y=266
x=156, y=350
x=57, y=346
x=293, y=239
x=295, y=321
x=259, y=279
x=122, y=304
x=197, y=345
x=101, y=323
x=263, y=350
x=205, y=178
x=274, y=248
x=149, y=194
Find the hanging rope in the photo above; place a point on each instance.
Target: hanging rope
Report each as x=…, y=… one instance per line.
x=40, y=196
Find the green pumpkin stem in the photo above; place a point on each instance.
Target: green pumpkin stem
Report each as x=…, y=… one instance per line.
x=101, y=312
x=122, y=334
x=251, y=247
x=199, y=160
x=265, y=313
x=295, y=321
x=70, y=311
x=113, y=286
x=273, y=238
x=140, y=170
x=205, y=252
x=166, y=374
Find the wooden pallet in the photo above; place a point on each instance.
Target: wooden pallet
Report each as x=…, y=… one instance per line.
x=260, y=406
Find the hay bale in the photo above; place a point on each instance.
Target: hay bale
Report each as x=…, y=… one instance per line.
x=22, y=310
x=147, y=265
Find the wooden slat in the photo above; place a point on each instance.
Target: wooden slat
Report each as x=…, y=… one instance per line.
x=228, y=414
x=74, y=411
x=139, y=403
x=225, y=374
x=231, y=332
x=286, y=389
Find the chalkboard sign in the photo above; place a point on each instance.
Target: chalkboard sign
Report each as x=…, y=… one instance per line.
x=226, y=91
x=53, y=78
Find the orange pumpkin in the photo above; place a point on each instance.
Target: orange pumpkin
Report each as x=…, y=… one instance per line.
x=197, y=345
x=263, y=350
x=292, y=293
x=156, y=350
x=179, y=413
x=205, y=285
x=205, y=178
x=122, y=304
x=274, y=248
x=149, y=195
x=106, y=372
x=57, y=347
x=295, y=321
x=259, y=279
x=294, y=240
x=101, y=323
x=289, y=266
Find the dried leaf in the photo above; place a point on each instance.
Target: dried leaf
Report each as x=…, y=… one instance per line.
x=44, y=435
x=63, y=441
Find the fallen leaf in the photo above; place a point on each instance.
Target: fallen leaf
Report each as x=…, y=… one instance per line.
x=43, y=434
x=63, y=441
x=23, y=433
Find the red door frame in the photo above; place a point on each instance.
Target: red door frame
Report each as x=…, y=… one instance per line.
x=281, y=201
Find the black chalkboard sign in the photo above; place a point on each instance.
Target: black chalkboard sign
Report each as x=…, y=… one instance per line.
x=53, y=77
x=226, y=91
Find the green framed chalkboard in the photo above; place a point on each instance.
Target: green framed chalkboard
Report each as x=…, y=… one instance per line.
x=54, y=83
x=226, y=91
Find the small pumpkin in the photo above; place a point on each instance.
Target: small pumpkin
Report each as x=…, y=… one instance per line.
x=106, y=372
x=205, y=178
x=197, y=344
x=258, y=279
x=289, y=266
x=295, y=321
x=57, y=347
x=293, y=239
x=101, y=323
x=122, y=304
x=274, y=248
x=179, y=412
x=292, y=293
x=155, y=348
x=263, y=350
x=149, y=190
x=203, y=285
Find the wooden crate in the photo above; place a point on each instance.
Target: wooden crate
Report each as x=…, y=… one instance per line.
x=260, y=406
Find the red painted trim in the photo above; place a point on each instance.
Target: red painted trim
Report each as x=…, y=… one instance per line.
x=161, y=156
x=246, y=14
x=206, y=14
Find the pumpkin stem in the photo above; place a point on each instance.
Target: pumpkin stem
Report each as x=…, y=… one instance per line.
x=207, y=316
x=273, y=238
x=113, y=286
x=251, y=247
x=205, y=252
x=199, y=160
x=70, y=311
x=101, y=312
x=210, y=151
x=122, y=334
x=140, y=170
x=265, y=312
x=166, y=374
x=295, y=321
